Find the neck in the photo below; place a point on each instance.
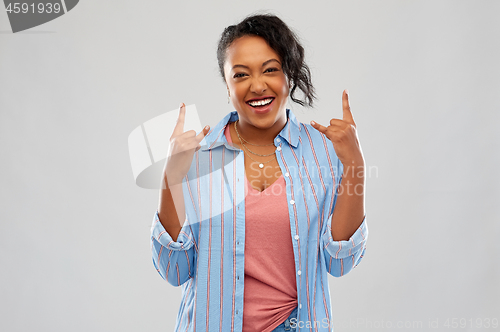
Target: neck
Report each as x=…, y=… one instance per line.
x=258, y=135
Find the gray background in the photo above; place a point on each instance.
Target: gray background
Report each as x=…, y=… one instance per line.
x=424, y=81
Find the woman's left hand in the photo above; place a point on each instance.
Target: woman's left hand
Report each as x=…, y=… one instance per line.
x=344, y=136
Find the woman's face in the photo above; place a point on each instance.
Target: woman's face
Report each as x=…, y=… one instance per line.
x=256, y=83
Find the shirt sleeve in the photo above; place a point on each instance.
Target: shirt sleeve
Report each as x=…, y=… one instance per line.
x=342, y=256
x=174, y=260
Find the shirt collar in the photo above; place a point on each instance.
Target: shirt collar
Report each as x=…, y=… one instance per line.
x=216, y=137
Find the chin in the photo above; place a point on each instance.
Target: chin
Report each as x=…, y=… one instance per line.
x=265, y=122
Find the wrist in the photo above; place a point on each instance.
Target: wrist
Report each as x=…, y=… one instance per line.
x=172, y=179
x=357, y=160
x=354, y=172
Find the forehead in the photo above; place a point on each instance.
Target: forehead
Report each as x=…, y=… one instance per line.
x=248, y=50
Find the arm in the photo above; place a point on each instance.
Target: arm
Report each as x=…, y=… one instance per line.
x=342, y=256
x=171, y=208
x=172, y=245
x=172, y=242
x=349, y=210
x=344, y=238
x=174, y=260
x=344, y=253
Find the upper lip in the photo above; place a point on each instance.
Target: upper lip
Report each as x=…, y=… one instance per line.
x=259, y=98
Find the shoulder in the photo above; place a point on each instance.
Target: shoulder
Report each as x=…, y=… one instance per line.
x=318, y=148
x=313, y=139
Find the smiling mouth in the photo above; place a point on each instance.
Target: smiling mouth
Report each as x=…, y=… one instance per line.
x=260, y=103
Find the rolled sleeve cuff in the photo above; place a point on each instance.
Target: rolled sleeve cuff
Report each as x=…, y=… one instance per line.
x=346, y=248
x=158, y=232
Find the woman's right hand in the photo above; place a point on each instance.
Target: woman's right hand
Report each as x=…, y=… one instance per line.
x=182, y=147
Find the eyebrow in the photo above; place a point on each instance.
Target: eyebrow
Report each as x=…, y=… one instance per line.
x=265, y=63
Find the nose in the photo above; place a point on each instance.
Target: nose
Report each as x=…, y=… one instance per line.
x=258, y=85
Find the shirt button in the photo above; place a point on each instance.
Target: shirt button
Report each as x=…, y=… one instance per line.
x=286, y=174
x=238, y=242
x=238, y=277
x=300, y=306
x=237, y=311
x=292, y=201
x=296, y=237
x=278, y=148
x=278, y=140
x=299, y=272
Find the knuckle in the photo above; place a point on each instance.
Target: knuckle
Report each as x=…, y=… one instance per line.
x=334, y=139
x=337, y=136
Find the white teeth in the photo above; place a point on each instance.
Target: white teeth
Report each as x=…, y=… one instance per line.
x=261, y=102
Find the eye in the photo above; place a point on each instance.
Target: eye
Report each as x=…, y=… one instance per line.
x=268, y=70
x=239, y=75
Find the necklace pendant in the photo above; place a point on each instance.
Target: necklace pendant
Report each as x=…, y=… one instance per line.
x=261, y=165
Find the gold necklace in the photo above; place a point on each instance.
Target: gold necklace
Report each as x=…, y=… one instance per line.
x=246, y=147
x=236, y=128
x=261, y=164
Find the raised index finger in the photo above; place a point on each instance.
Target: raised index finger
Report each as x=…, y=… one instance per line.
x=347, y=116
x=179, y=125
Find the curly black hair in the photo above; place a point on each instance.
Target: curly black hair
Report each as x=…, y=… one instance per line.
x=283, y=41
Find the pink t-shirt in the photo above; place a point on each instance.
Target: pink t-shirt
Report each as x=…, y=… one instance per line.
x=270, y=286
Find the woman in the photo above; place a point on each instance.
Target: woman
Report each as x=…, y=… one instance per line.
x=251, y=223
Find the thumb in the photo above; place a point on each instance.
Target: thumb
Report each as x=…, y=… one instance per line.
x=203, y=133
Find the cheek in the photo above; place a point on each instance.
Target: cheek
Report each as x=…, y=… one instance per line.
x=285, y=90
x=233, y=90
x=239, y=92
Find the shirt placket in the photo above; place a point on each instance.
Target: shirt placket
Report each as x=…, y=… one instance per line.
x=281, y=149
x=240, y=236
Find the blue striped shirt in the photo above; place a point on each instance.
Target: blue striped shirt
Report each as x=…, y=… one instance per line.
x=208, y=257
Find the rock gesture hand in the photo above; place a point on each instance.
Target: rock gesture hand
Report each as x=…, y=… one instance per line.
x=344, y=136
x=181, y=150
